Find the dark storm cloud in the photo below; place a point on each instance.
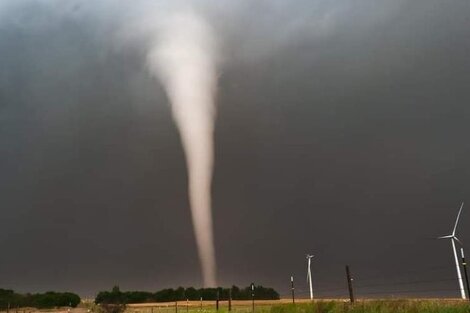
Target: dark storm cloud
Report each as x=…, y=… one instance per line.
x=341, y=131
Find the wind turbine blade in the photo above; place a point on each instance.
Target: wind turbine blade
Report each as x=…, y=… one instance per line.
x=457, y=220
x=457, y=239
x=446, y=237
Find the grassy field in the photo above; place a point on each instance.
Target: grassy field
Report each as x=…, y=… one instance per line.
x=284, y=306
x=324, y=306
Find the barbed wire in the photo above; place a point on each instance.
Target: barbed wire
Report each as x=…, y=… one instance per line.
x=388, y=288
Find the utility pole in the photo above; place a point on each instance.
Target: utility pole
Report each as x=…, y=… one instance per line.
x=252, y=297
x=350, y=288
x=230, y=299
x=464, y=264
x=292, y=289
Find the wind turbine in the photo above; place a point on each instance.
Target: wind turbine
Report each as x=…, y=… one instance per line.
x=309, y=274
x=453, y=238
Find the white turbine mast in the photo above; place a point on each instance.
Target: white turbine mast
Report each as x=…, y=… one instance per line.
x=309, y=274
x=453, y=238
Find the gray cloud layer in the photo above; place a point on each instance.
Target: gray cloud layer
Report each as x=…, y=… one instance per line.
x=342, y=131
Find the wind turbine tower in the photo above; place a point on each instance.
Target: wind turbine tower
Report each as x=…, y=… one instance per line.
x=309, y=274
x=453, y=238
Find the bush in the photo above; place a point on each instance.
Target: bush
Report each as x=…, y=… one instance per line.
x=112, y=308
x=115, y=296
x=46, y=300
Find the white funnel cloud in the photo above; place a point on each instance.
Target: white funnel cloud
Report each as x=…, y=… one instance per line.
x=183, y=58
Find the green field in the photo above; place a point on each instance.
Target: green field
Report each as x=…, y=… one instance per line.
x=334, y=306
x=368, y=306
x=384, y=306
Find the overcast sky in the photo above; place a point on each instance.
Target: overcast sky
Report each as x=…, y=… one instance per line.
x=342, y=131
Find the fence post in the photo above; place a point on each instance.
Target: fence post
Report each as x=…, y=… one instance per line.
x=230, y=299
x=292, y=289
x=252, y=297
x=464, y=264
x=176, y=306
x=350, y=288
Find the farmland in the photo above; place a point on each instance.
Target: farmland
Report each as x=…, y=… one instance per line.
x=278, y=306
x=305, y=306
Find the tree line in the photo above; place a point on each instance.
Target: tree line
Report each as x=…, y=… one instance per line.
x=47, y=300
x=116, y=296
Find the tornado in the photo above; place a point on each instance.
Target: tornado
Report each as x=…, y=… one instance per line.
x=183, y=58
